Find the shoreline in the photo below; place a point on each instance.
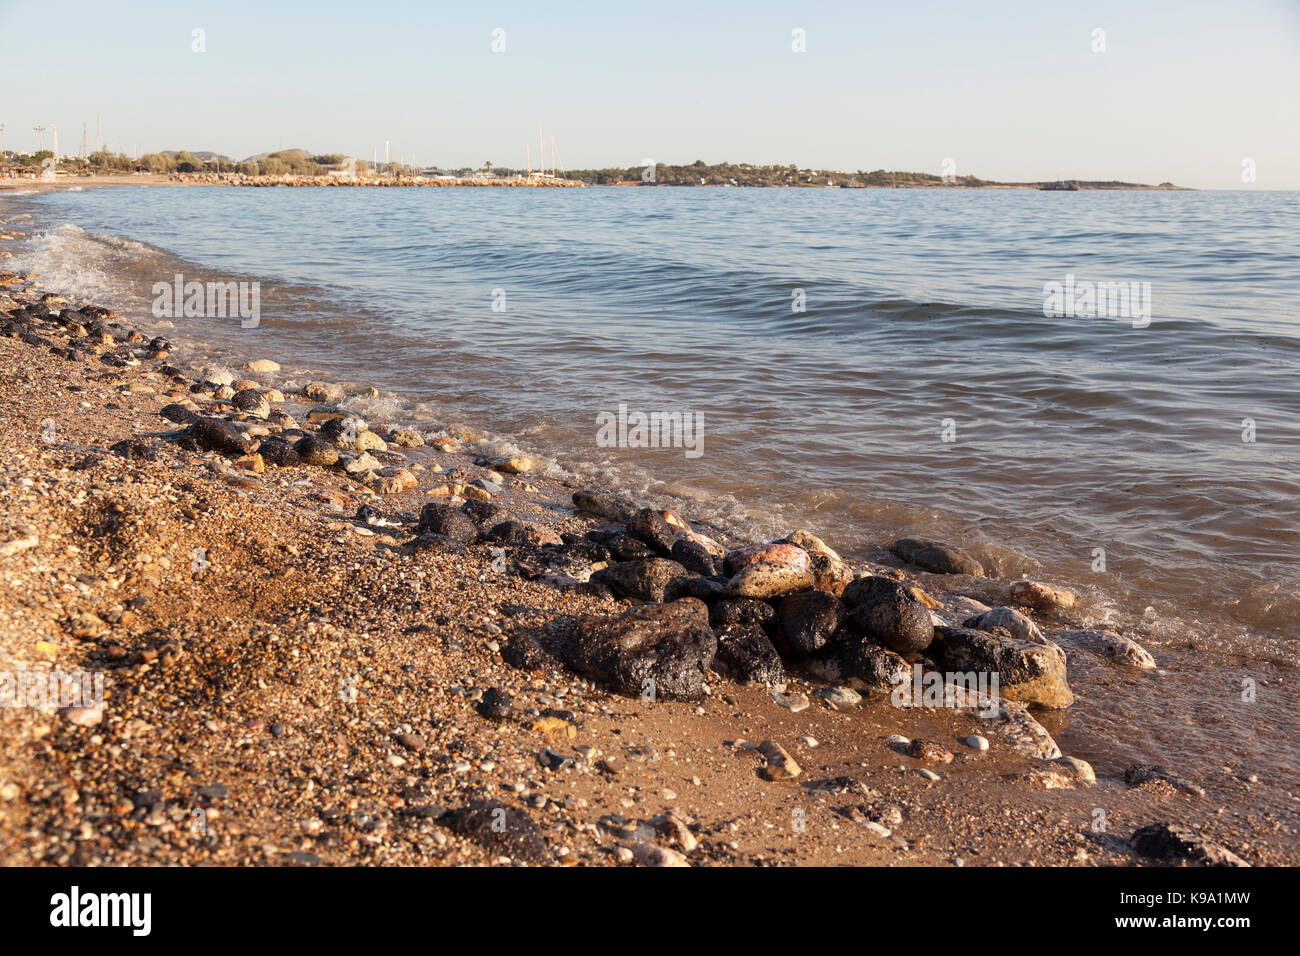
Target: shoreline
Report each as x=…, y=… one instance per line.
x=319, y=573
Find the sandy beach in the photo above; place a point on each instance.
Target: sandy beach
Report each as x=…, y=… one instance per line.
x=332, y=641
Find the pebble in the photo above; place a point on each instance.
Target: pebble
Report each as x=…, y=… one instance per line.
x=780, y=765
x=495, y=704
x=83, y=716
x=1081, y=769
x=793, y=702
x=648, y=854
x=841, y=698
x=1121, y=650
x=927, y=774
x=872, y=826
x=976, y=742
x=898, y=740
x=930, y=750
x=1044, y=597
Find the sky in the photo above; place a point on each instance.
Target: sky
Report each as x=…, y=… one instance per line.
x=1199, y=93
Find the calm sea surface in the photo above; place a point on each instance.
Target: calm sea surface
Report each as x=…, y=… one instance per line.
x=1070, y=440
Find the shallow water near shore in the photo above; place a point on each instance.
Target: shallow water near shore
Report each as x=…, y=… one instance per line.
x=924, y=311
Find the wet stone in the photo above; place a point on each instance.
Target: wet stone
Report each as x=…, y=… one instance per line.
x=604, y=505
x=1011, y=621
x=884, y=611
x=1173, y=842
x=1031, y=674
x=936, y=557
x=807, y=621
x=215, y=434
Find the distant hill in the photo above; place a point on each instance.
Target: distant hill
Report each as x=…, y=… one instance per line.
x=700, y=173
x=205, y=155
x=288, y=155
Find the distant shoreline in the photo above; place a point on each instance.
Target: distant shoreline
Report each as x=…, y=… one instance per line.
x=264, y=182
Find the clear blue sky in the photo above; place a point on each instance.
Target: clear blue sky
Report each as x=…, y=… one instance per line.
x=1185, y=90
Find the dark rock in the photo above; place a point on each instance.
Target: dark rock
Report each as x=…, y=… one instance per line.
x=482, y=513
x=935, y=557
x=706, y=589
x=1028, y=673
x=215, y=434
x=449, y=522
x=604, y=505
x=643, y=580
x=133, y=449
x=885, y=612
x=500, y=828
x=509, y=532
x=252, y=401
x=314, y=450
x=278, y=452
x=580, y=547
x=650, y=527
x=495, y=704
x=437, y=542
x=695, y=557
x=626, y=548
x=727, y=611
x=1175, y=843
x=806, y=621
x=180, y=414
x=524, y=650
x=664, y=650
x=621, y=547
x=554, y=760
x=747, y=655
x=340, y=431
x=876, y=666
x=871, y=588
